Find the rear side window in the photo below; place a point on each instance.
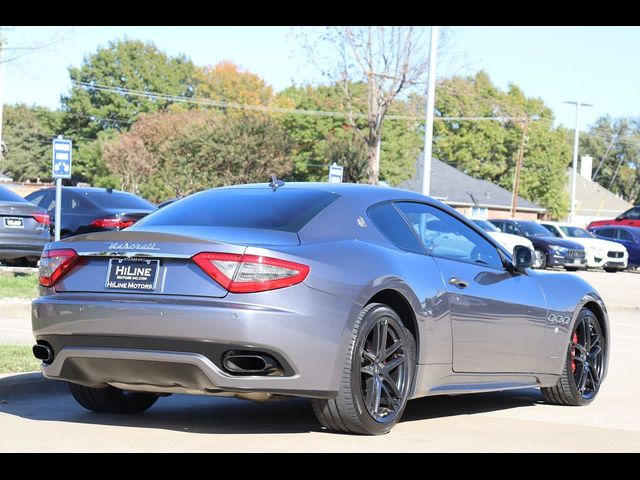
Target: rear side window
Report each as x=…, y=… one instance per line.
x=284, y=210
x=389, y=221
x=633, y=214
x=119, y=200
x=624, y=235
x=7, y=195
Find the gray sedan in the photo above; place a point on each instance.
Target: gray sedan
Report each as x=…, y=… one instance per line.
x=358, y=297
x=24, y=229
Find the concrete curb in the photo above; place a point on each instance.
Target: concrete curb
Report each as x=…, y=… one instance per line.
x=32, y=383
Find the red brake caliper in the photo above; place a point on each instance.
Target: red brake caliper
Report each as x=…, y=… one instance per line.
x=574, y=340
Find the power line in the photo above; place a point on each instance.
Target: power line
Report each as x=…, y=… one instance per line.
x=264, y=108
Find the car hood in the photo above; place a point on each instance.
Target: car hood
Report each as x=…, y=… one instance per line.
x=547, y=241
x=509, y=241
x=598, y=244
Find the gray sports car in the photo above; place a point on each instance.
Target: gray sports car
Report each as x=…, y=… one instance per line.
x=359, y=297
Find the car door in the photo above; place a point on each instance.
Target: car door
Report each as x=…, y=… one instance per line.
x=627, y=239
x=498, y=318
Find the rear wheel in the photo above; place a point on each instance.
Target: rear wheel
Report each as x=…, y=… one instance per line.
x=111, y=399
x=539, y=259
x=584, y=364
x=611, y=270
x=377, y=375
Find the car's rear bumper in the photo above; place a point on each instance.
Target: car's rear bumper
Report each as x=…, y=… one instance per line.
x=176, y=344
x=17, y=246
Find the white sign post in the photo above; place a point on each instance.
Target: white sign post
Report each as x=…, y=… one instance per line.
x=61, y=168
x=335, y=173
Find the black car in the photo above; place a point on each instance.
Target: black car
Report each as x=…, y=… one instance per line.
x=90, y=209
x=550, y=251
x=24, y=229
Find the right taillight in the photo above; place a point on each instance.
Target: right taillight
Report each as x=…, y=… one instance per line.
x=42, y=218
x=54, y=264
x=250, y=273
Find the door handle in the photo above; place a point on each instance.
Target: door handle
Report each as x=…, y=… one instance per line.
x=457, y=282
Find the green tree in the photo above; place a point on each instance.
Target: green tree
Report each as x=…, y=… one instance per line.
x=312, y=135
x=175, y=154
x=614, y=145
x=488, y=149
x=27, y=134
x=123, y=64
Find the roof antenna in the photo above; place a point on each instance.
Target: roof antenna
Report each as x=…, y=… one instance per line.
x=275, y=183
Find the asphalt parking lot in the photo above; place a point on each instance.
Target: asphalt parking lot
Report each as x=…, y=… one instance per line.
x=46, y=418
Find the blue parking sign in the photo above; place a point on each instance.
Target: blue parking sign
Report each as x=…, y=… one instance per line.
x=61, y=158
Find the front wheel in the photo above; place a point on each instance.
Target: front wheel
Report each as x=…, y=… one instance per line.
x=612, y=270
x=584, y=364
x=539, y=259
x=377, y=375
x=111, y=399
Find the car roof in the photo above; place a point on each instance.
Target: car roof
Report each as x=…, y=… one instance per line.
x=353, y=190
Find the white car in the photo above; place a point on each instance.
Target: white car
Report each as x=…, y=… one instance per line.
x=600, y=253
x=507, y=240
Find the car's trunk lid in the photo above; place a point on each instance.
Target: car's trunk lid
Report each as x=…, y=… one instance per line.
x=111, y=260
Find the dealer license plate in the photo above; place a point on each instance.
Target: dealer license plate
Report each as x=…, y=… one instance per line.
x=132, y=274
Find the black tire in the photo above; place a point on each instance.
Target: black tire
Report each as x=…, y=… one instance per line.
x=349, y=411
x=571, y=269
x=111, y=399
x=540, y=259
x=612, y=270
x=570, y=390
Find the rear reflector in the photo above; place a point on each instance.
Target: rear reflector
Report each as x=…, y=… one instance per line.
x=42, y=218
x=113, y=223
x=54, y=264
x=250, y=273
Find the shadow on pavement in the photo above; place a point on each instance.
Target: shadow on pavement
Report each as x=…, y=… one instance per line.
x=216, y=415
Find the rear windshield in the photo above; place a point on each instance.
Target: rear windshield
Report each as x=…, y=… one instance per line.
x=7, y=195
x=119, y=200
x=284, y=210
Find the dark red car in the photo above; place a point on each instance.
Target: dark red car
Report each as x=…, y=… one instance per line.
x=630, y=218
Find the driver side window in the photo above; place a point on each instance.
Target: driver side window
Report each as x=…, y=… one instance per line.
x=445, y=236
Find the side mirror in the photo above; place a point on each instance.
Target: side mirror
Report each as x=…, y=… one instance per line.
x=522, y=258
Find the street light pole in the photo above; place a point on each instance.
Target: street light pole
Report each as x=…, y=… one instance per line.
x=428, y=128
x=574, y=173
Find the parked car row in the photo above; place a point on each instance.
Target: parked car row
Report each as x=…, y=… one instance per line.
x=27, y=224
x=611, y=247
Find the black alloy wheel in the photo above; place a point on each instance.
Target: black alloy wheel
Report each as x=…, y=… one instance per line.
x=377, y=375
x=584, y=364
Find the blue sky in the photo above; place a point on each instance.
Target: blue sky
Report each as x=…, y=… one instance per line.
x=596, y=65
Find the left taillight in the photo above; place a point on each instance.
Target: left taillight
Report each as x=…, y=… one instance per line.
x=55, y=264
x=250, y=273
x=42, y=218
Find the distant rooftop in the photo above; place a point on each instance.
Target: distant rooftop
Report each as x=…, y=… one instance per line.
x=454, y=187
x=593, y=200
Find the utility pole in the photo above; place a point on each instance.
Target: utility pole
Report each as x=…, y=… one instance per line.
x=519, y=161
x=574, y=174
x=428, y=128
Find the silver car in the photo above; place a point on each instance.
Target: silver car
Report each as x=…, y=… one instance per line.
x=358, y=297
x=24, y=229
